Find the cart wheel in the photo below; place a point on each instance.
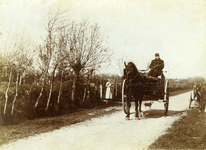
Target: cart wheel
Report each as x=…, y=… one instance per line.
x=166, y=103
x=125, y=105
x=124, y=97
x=166, y=108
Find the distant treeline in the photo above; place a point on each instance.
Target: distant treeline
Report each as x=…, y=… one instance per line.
x=188, y=83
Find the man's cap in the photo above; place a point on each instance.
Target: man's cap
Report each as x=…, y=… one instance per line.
x=157, y=54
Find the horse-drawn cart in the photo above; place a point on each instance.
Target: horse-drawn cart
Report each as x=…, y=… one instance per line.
x=139, y=87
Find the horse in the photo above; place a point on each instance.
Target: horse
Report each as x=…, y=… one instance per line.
x=134, y=87
x=202, y=97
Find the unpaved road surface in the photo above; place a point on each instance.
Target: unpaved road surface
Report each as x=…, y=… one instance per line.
x=111, y=132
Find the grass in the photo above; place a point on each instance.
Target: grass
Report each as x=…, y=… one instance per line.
x=10, y=133
x=187, y=133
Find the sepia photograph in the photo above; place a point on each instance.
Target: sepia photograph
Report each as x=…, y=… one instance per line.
x=102, y=74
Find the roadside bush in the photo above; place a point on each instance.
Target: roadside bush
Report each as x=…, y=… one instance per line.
x=27, y=96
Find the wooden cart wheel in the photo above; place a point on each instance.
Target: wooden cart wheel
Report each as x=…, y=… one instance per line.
x=124, y=97
x=166, y=98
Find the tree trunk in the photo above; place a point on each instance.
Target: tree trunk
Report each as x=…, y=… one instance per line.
x=101, y=97
x=85, y=92
x=42, y=89
x=73, y=98
x=17, y=83
x=51, y=84
x=85, y=89
x=29, y=92
x=116, y=87
x=88, y=88
x=60, y=89
x=51, y=89
x=6, y=94
x=20, y=80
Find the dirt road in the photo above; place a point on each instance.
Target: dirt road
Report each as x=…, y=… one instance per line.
x=110, y=132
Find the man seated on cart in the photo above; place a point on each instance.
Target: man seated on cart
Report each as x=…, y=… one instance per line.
x=156, y=66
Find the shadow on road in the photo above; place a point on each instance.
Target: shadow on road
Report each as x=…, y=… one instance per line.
x=156, y=113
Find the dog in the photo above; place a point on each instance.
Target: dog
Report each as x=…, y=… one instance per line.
x=148, y=104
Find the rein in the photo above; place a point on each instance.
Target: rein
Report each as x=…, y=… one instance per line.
x=134, y=77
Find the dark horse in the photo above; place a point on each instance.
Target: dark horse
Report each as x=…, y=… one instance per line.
x=134, y=87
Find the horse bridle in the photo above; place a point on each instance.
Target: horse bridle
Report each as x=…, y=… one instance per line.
x=127, y=75
x=134, y=76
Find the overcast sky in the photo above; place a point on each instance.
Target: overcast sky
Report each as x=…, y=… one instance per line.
x=137, y=29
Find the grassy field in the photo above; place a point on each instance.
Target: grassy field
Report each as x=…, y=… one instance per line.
x=187, y=133
x=9, y=133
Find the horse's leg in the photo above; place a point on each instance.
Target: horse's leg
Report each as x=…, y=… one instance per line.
x=136, y=109
x=140, y=106
x=140, y=103
x=128, y=104
x=200, y=104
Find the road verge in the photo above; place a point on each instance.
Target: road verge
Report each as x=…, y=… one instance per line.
x=187, y=133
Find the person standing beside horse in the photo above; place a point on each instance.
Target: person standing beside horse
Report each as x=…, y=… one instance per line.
x=197, y=92
x=156, y=66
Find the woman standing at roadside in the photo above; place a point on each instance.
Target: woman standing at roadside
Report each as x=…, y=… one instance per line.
x=108, y=90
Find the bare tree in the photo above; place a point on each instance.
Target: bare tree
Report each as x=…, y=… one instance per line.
x=86, y=49
x=22, y=61
x=49, y=49
x=7, y=90
x=7, y=68
x=15, y=97
x=10, y=55
x=45, y=59
x=58, y=58
x=7, y=62
x=62, y=69
x=16, y=60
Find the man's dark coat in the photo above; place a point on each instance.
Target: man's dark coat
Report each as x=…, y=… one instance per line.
x=156, y=65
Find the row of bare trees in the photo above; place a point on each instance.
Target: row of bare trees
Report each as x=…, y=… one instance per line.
x=67, y=47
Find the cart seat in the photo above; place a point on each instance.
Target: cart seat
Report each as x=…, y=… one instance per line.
x=144, y=74
x=154, y=79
